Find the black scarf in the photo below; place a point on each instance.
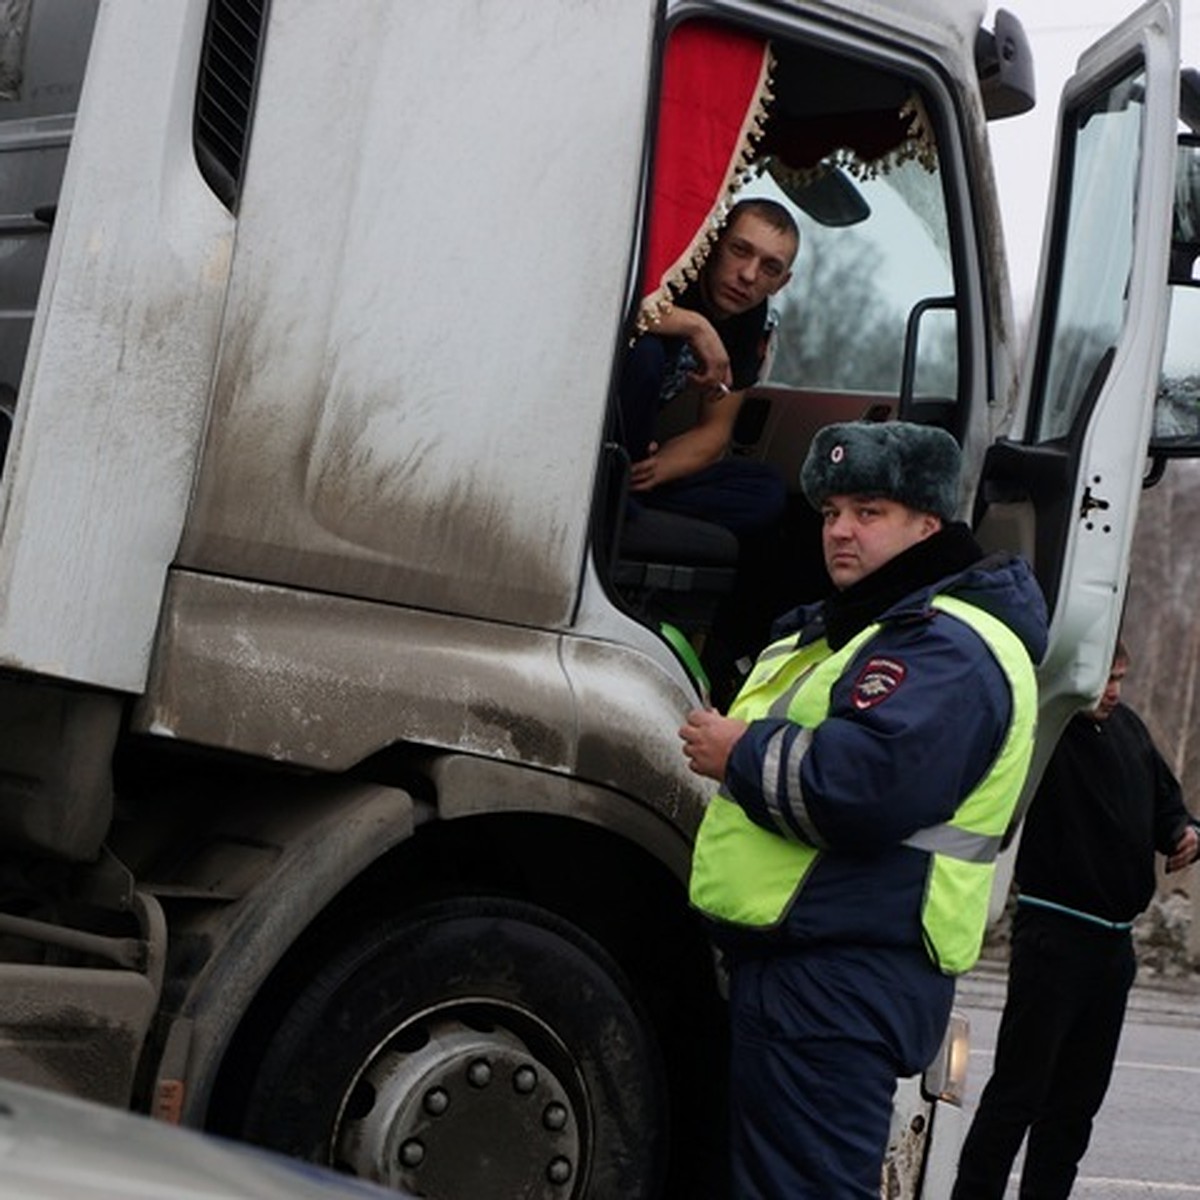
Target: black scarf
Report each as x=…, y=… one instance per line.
x=952, y=549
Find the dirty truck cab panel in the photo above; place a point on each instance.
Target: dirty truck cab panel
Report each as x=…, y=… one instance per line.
x=335, y=469
x=115, y=389
x=459, y=231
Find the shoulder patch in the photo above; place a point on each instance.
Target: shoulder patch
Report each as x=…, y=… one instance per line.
x=878, y=679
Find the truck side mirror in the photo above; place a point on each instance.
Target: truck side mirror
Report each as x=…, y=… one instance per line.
x=1185, y=231
x=1176, y=432
x=1004, y=65
x=929, y=371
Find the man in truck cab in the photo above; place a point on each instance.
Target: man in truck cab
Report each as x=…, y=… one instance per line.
x=868, y=769
x=709, y=346
x=705, y=349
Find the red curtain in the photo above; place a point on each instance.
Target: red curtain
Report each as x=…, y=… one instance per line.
x=714, y=95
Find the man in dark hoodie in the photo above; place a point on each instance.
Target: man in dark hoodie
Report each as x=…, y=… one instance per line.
x=869, y=768
x=1085, y=869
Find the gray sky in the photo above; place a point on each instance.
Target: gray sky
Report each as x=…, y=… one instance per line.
x=1024, y=146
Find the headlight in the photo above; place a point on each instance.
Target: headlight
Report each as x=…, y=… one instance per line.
x=946, y=1077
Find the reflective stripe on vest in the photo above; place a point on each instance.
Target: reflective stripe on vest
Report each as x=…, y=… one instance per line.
x=746, y=875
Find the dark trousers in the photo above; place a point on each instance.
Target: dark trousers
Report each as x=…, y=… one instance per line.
x=639, y=399
x=743, y=496
x=1068, y=983
x=818, y=1041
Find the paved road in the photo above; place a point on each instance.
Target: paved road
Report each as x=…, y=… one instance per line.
x=1146, y=1142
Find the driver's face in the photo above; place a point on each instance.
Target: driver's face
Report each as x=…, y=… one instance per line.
x=752, y=261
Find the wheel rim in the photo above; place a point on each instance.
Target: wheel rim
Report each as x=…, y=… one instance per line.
x=468, y=1098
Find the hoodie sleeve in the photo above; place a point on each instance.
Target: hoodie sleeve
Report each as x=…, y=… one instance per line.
x=914, y=723
x=1171, y=817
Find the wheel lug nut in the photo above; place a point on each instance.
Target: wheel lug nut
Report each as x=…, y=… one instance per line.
x=479, y=1073
x=412, y=1153
x=437, y=1100
x=555, y=1117
x=559, y=1170
x=525, y=1080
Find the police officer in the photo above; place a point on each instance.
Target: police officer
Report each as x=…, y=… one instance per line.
x=868, y=768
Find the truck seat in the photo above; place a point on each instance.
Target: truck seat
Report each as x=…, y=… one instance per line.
x=673, y=567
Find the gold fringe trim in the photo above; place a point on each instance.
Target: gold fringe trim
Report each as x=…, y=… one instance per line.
x=739, y=172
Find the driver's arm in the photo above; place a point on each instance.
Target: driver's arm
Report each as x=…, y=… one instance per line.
x=714, y=371
x=701, y=446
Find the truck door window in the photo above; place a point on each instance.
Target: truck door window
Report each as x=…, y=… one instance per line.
x=851, y=150
x=1091, y=289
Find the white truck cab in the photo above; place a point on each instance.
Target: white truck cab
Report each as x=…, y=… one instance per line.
x=341, y=796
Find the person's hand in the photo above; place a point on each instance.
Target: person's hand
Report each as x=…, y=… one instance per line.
x=708, y=740
x=1184, y=853
x=714, y=375
x=643, y=475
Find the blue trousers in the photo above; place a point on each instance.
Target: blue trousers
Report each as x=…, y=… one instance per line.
x=818, y=1041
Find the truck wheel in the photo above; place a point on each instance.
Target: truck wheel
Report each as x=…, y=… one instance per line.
x=475, y=1048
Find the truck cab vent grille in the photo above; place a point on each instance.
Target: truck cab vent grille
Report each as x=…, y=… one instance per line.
x=229, y=62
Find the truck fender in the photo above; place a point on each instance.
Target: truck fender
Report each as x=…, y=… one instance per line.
x=344, y=828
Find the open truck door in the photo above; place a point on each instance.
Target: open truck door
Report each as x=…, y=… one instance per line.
x=1066, y=486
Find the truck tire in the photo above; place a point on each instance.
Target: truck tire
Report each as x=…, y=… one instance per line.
x=478, y=1047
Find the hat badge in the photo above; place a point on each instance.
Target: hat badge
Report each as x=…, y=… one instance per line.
x=837, y=453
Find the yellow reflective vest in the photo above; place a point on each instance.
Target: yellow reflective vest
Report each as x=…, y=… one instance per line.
x=749, y=876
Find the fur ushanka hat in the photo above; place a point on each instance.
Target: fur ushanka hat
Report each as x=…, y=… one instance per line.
x=918, y=465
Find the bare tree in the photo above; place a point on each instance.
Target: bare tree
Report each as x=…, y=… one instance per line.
x=836, y=329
